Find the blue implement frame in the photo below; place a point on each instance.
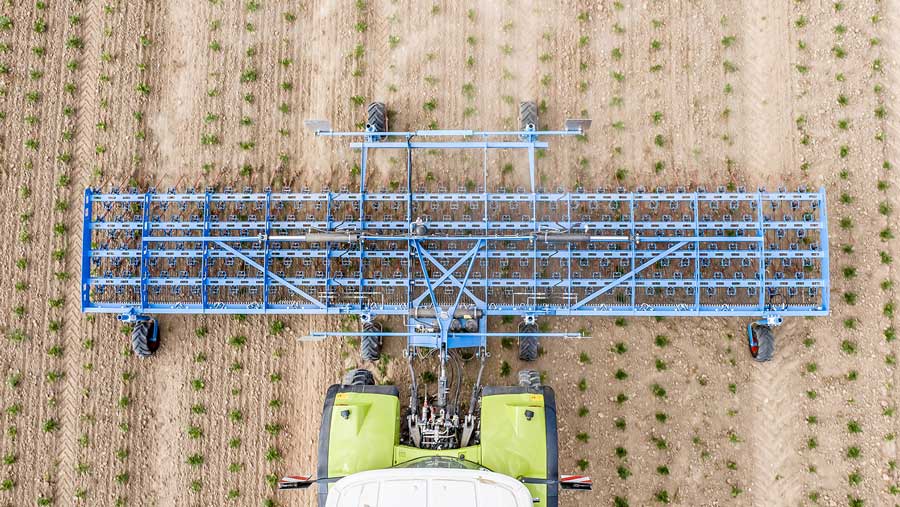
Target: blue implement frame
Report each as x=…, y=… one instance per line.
x=446, y=260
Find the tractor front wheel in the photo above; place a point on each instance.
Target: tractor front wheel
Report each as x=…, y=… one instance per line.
x=530, y=379
x=358, y=377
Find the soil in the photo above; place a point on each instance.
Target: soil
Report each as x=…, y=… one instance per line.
x=181, y=94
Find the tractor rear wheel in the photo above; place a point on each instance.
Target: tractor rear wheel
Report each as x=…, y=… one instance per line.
x=358, y=377
x=144, y=338
x=528, y=345
x=376, y=117
x=762, y=342
x=529, y=378
x=528, y=115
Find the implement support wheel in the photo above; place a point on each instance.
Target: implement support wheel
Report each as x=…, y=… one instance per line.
x=370, y=346
x=528, y=115
x=376, y=117
x=528, y=345
x=761, y=341
x=145, y=338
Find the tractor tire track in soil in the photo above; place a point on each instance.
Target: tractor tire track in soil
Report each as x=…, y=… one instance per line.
x=774, y=422
x=767, y=86
x=75, y=327
x=43, y=286
x=85, y=393
x=890, y=32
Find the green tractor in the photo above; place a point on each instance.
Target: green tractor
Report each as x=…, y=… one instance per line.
x=502, y=451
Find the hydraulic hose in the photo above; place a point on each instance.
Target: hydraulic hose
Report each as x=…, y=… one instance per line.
x=477, y=385
x=414, y=388
x=459, y=380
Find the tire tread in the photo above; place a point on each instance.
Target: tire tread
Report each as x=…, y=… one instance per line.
x=358, y=377
x=140, y=337
x=528, y=114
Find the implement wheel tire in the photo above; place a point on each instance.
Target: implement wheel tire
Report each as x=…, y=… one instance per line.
x=376, y=116
x=528, y=348
x=530, y=379
x=358, y=377
x=761, y=342
x=370, y=348
x=144, y=338
x=528, y=345
x=528, y=115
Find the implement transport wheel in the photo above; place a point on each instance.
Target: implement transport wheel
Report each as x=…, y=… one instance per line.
x=528, y=348
x=358, y=377
x=370, y=346
x=528, y=115
x=761, y=340
x=376, y=117
x=530, y=379
x=145, y=338
x=528, y=345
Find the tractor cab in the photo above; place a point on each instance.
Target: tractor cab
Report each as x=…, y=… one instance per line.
x=429, y=482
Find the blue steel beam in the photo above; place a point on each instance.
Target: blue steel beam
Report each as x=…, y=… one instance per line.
x=474, y=226
x=492, y=282
x=293, y=288
x=629, y=276
x=602, y=310
x=447, y=274
x=428, y=286
x=462, y=284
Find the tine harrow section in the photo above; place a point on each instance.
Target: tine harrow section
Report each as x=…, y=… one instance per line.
x=675, y=254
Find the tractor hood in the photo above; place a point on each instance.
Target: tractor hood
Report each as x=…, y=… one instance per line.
x=428, y=487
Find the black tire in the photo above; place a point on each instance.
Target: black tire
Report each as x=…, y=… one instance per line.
x=528, y=348
x=376, y=116
x=358, y=377
x=370, y=348
x=142, y=342
x=528, y=345
x=528, y=115
x=765, y=340
x=530, y=379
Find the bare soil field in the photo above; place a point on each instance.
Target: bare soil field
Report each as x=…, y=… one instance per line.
x=198, y=93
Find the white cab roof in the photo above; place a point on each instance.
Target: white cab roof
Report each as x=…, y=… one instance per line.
x=428, y=487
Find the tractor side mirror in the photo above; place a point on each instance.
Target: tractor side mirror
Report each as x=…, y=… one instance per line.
x=577, y=482
x=295, y=482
